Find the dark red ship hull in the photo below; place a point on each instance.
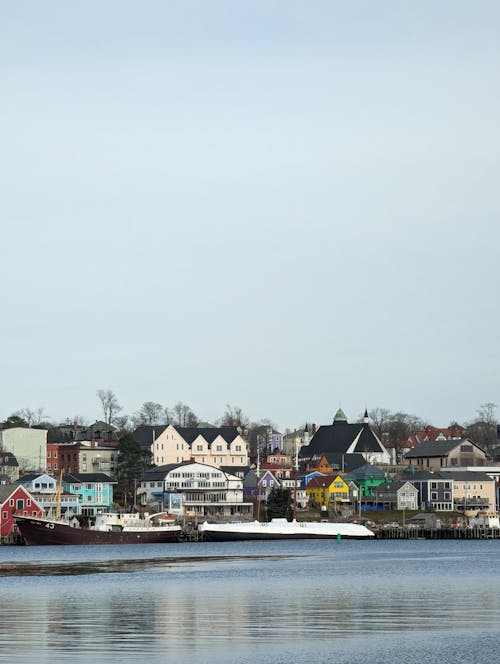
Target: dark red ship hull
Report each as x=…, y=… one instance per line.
x=37, y=532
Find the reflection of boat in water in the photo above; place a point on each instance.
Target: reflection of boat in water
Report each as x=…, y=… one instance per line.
x=107, y=529
x=282, y=529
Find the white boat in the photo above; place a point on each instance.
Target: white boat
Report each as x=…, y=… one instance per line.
x=282, y=529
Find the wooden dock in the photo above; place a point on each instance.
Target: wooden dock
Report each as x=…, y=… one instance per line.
x=476, y=533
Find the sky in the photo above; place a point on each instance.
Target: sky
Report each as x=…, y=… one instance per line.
x=283, y=206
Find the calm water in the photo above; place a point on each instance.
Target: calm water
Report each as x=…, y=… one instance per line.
x=377, y=602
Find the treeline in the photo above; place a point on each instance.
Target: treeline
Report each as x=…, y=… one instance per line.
x=392, y=427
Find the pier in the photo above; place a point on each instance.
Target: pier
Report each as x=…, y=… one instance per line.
x=476, y=533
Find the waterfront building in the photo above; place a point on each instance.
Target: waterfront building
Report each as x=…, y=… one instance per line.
x=472, y=491
x=342, y=438
x=435, y=455
x=367, y=478
x=328, y=491
x=196, y=490
x=14, y=498
x=44, y=489
x=435, y=490
x=94, y=491
x=397, y=495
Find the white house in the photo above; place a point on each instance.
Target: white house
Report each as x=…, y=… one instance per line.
x=195, y=489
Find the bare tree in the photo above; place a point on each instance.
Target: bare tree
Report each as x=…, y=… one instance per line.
x=234, y=417
x=183, y=416
x=483, y=429
x=110, y=405
x=380, y=419
x=31, y=417
x=149, y=413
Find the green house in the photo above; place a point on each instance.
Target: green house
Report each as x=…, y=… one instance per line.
x=367, y=478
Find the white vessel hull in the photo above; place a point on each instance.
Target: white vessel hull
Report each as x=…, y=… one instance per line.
x=282, y=529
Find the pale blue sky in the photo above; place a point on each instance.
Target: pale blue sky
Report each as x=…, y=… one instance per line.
x=284, y=206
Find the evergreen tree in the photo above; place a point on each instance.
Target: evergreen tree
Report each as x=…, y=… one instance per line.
x=279, y=504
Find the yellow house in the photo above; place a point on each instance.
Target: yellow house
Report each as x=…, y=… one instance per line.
x=327, y=490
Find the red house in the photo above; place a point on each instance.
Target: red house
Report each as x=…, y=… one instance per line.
x=15, y=499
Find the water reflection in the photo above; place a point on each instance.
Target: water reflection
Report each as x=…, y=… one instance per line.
x=306, y=601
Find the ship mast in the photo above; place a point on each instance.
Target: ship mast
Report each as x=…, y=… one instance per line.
x=58, y=496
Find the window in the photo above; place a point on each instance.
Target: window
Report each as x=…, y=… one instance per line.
x=20, y=504
x=434, y=495
x=55, y=466
x=48, y=454
x=11, y=502
x=5, y=515
x=447, y=495
x=434, y=485
x=28, y=503
x=199, y=448
x=55, y=454
x=49, y=466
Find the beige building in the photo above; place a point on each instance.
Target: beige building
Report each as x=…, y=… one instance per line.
x=434, y=456
x=95, y=459
x=27, y=445
x=472, y=492
x=215, y=446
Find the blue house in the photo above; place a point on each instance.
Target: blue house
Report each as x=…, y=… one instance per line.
x=95, y=491
x=43, y=488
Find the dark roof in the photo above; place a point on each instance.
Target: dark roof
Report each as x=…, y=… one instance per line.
x=159, y=472
x=7, y=459
x=29, y=477
x=146, y=434
x=209, y=433
x=366, y=472
x=338, y=438
x=346, y=462
x=81, y=478
x=466, y=475
x=438, y=448
x=7, y=489
x=392, y=487
x=232, y=470
x=422, y=475
x=319, y=482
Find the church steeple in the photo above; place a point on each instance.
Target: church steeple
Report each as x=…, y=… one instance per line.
x=365, y=417
x=340, y=416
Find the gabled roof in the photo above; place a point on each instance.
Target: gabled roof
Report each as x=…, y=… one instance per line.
x=29, y=477
x=190, y=434
x=342, y=437
x=251, y=479
x=6, y=490
x=394, y=486
x=439, y=448
x=8, y=459
x=320, y=482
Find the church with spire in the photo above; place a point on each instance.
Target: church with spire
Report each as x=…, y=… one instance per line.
x=342, y=438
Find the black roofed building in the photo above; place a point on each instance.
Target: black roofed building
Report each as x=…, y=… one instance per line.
x=342, y=438
x=434, y=455
x=222, y=447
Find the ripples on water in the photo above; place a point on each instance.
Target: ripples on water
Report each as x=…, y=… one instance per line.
x=264, y=602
